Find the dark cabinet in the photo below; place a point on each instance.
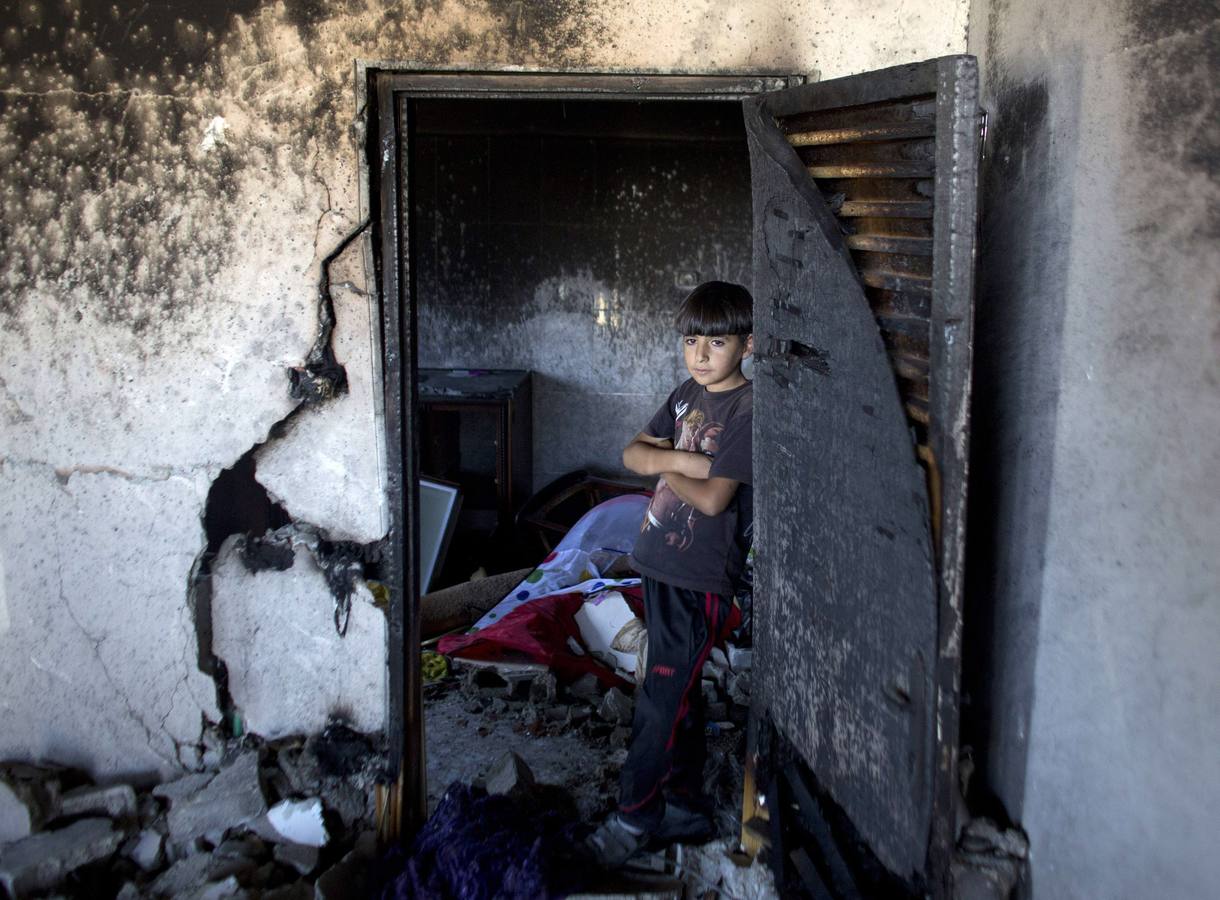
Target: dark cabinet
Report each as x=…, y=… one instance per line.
x=476, y=430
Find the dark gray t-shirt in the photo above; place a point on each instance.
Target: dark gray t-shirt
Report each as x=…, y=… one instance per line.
x=678, y=544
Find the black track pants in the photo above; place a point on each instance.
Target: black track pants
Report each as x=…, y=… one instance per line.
x=667, y=740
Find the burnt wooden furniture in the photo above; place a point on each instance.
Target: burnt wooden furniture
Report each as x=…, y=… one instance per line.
x=476, y=430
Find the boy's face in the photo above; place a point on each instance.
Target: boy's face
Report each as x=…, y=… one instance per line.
x=714, y=360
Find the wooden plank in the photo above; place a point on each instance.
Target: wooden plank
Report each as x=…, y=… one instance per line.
x=887, y=132
x=891, y=243
x=896, y=209
x=754, y=813
x=910, y=169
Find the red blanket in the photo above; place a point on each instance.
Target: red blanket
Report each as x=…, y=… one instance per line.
x=538, y=632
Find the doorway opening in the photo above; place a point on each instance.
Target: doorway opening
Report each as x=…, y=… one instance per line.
x=484, y=281
x=538, y=229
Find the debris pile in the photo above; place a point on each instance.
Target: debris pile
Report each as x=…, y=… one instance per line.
x=528, y=708
x=990, y=861
x=288, y=819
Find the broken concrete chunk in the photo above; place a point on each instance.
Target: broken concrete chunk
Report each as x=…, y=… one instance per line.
x=739, y=689
x=719, y=658
x=982, y=836
x=616, y=707
x=183, y=876
x=41, y=861
x=299, y=821
x=248, y=846
x=147, y=850
x=297, y=890
x=981, y=883
x=239, y=867
x=262, y=828
x=301, y=857
x=301, y=769
x=117, y=801
x=578, y=714
x=232, y=798
x=344, y=798
x=544, y=688
x=346, y=880
x=15, y=819
x=186, y=786
x=741, y=659
x=29, y=798
x=510, y=773
x=128, y=891
x=587, y=688
x=229, y=887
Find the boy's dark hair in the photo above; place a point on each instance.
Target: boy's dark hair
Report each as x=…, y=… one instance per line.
x=716, y=307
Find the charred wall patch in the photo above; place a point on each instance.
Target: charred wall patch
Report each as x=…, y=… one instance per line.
x=83, y=200
x=94, y=45
x=1176, y=49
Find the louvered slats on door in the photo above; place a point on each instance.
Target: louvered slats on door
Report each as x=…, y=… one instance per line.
x=875, y=165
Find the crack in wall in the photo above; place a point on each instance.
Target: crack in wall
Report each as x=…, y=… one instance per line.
x=270, y=535
x=64, y=474
x=96, y=645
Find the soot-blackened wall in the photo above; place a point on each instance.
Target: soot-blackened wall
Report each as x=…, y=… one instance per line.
x=560, y=237
x=1094, y=613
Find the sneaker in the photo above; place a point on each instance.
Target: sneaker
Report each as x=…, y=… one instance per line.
x=682, y=825
x=615, y=841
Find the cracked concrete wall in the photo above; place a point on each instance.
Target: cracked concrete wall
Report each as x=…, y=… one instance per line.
x=172, y=176
x=1095, y=518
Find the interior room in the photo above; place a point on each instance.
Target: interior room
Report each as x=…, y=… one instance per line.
x=557, y=238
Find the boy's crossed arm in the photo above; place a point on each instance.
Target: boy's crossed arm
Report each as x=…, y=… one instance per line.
x=685, y=471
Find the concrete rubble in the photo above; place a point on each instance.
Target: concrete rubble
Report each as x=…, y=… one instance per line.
x=273, y=820
x=42, y=860
x=293, y=817
x=520, y=733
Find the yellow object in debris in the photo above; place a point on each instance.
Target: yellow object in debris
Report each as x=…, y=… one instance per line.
x=433, y=665
x=381, y=595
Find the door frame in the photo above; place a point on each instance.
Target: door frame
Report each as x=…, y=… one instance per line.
x=384, y=192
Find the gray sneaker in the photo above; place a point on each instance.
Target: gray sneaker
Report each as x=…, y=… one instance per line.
x=614, y=842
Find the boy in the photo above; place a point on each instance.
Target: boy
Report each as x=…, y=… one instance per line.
x=688, y=552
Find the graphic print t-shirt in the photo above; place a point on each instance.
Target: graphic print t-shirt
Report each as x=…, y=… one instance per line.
x=678, y=544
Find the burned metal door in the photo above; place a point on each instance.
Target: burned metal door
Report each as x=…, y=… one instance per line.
x=864, y=207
